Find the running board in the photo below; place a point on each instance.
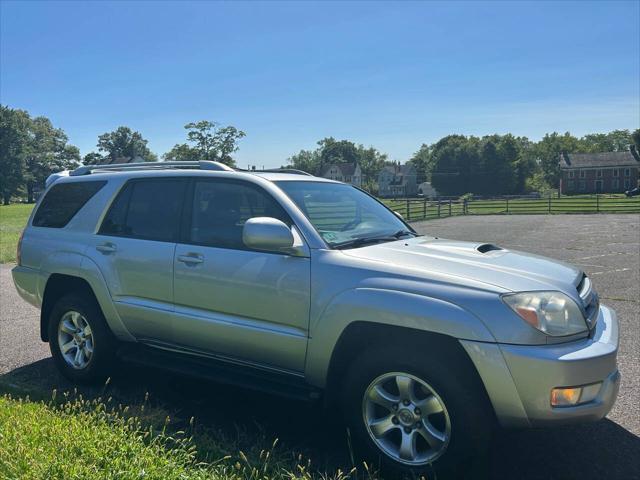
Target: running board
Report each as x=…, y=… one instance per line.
x=281, y=384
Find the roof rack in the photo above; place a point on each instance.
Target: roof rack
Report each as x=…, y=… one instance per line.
x=201, y=165
x=276, y=170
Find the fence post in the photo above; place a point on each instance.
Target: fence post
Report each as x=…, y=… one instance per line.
x=597, y=203
x=408, y=211
x=464, y=206
x=424, y=208
x=449, y=207
x=507, y=204
x=549, y=204
x=438, y=208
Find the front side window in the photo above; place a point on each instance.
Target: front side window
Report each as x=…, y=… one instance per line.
x=571, y=173
x=616, y=172
x=627, y=172
x=598, y=173
x=63, y=201
x=221, y=208
x=147, y=209
x=342, y=213
x=583, y=173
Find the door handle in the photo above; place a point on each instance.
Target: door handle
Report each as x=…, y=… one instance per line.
x=106, y=248
x=191, y=259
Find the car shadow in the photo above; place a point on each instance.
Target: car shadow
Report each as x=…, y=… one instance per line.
x=592, y=451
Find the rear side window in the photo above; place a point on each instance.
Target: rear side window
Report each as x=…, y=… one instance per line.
x=63, y=201
x=147, y=209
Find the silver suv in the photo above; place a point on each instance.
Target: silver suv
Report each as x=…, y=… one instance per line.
x=312, y=288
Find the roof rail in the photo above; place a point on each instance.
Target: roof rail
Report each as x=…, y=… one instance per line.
x=276, y=170
x=116, y=167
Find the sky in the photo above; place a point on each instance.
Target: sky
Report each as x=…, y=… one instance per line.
x=388, y=75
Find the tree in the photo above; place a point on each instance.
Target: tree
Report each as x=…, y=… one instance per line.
x=548, y=151
x=92, y=158
x=181, y=153
x=48, y=152
x=456, y=165
x=635, y=138
x=422, y=161
x=124, y=143
x=306, y=160
x=14, y=127
x=614, y=141
x=331, y=151
x=210, y=142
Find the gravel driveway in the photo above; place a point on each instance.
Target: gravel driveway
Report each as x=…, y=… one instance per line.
x=607, y=247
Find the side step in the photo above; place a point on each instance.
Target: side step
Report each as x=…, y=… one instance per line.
x=275, y=383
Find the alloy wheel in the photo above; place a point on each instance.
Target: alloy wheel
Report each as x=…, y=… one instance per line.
x=75, y=340
x=406, y=418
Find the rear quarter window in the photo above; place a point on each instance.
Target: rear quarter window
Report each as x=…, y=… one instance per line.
x=63, y=201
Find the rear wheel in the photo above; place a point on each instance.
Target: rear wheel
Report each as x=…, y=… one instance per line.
x=81, y=343
x=416, y=412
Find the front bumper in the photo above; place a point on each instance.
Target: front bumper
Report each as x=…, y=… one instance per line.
x=519, y=378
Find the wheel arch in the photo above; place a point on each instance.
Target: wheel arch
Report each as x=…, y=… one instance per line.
x=361, y=336
x=86, y=277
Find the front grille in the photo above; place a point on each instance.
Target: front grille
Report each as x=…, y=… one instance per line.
x=590, y=301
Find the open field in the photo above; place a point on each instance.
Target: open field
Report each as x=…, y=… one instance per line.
x=228, y=419
x=12, y=220
x=423, y=209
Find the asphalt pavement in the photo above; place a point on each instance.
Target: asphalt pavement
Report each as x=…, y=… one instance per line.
x=606, y=247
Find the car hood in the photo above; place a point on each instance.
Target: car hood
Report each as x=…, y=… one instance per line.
x=478, y=262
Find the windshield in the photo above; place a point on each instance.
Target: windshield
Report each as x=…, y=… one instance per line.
x=344, y=215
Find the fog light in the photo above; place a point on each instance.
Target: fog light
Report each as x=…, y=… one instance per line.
x=571, y=396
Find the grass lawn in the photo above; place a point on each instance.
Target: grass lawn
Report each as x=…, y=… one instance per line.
x=73, y=439
x=13, y=218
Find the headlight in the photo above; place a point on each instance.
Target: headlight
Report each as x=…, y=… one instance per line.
x=553, y=313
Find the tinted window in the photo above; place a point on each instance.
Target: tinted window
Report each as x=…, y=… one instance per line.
x=220, y=210
x=148, y=209
x=63, y=201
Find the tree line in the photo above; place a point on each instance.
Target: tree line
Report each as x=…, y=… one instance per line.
x=31, y=148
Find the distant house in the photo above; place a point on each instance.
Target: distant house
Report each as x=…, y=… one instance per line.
x=426, y=189
x=343, y=172
x=398, y=181
x=610, y=172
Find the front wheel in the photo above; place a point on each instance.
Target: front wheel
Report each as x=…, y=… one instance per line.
x=416, y=413
x=81, y=343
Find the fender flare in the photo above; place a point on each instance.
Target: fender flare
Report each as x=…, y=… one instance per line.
x=81, y=266
x=390, y=308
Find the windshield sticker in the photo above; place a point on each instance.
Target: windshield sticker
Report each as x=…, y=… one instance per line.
x=329, y=236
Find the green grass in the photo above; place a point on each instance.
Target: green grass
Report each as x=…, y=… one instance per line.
x=73, y=438
x=13, y=218
x=418, y=210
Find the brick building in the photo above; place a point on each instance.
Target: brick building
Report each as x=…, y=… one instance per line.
x=610, y=172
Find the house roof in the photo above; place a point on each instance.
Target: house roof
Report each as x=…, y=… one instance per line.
x=346, y=168
x=400, y=170
x=607, y=159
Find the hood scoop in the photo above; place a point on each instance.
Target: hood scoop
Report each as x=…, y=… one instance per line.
x=488, y=247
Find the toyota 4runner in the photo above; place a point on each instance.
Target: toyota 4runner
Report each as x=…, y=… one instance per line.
x=308, y=287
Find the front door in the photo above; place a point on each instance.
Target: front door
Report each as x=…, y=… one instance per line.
x=134, y=250
x=230, y=301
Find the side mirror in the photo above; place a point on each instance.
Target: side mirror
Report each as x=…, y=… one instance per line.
x=269, y=234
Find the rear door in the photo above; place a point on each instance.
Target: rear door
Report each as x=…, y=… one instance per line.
x=231, y=301
x=134, y=249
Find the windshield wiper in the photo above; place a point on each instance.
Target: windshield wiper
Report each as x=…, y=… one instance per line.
x=360, y=242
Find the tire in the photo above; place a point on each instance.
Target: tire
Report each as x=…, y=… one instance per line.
x=68, y=323
x=459, y=423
